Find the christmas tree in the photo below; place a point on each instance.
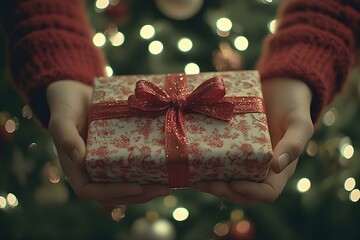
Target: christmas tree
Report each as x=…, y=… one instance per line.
x=147, y=37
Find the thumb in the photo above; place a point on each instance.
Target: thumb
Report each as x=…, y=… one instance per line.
x=291, y=145
x=63, y=129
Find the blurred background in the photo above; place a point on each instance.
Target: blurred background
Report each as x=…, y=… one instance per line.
x=321, y=201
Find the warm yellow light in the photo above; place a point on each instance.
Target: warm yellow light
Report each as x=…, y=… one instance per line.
x=354, y=195
x=109, y=71
x=329, y=117
x=102, y=4
x=185, y=44
x=272, y=26
x=303, y=185
x=2, y=202
x=237, y=215
x=192, y=68
x=10, y=126
x=12, y=200
x=224, y=24
x=221, y=229
x=147, y=31
x=349, y=184
x=117, y=39
x=155, y=47
x=243, y=227
x=99, y=39
x=152, y=216
x=163, y=229
x=241, y=43
x=26, y=112
x=180, y=214
x=347, y=150
x=170, y=201
x=118, y=213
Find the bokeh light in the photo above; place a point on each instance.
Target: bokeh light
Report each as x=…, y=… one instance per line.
x=147, y=31
x=180, y=214
x=272, y=26
x=222, y=229
x=243, y=227
x=27, y=112
x=241, y=43
x=99, y=39
x=2, y=202
x=118, y=213
x=102, y=4
x=170, y=201
x=224, y=24
x=185, y=44
x=349, y=184
x=156, y=47
x=347, y=150
x=109, y=71
x=303, y=185
x=117, y=39
x=12, y=200
x=192, y=68
x=354, y=195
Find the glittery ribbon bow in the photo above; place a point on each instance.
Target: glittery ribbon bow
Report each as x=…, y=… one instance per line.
x=150, y=100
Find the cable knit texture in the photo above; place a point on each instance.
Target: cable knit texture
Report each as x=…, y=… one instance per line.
x=315, y=41
x=49, y=40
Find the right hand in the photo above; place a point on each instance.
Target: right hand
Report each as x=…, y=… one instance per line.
x=69, y=103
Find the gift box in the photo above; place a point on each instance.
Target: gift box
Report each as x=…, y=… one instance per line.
x=178, y=129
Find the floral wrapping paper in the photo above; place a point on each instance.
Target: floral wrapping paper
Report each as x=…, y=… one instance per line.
x=131, y=149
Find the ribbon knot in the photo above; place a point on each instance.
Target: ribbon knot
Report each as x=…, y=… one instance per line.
x=179, y=102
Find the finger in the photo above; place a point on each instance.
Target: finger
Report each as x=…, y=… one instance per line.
x=149, y=192
x=268, y=190
x=223, y=191
x=291, y=145
x=84, y=188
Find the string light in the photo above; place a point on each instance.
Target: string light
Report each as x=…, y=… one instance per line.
x=152, y=216
x=241, y=43
x=156, y=47
x=272, y=26
x=117, y=39
x=180, y=214
x=303, y=185
x=312, y=148
x=192, y=68
x=349, y=184
x=163, y=229
x=99, y=39
x=147, y=31
x=185, y=44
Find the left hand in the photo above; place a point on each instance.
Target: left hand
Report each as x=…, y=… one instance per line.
x=288, y=104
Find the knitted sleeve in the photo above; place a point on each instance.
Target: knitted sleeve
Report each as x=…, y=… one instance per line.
x=49, y=40
x=315, y=41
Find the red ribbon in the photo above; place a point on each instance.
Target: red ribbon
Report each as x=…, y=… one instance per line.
x=150, y=100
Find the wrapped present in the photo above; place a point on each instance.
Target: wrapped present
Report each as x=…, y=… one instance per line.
x=178, y=129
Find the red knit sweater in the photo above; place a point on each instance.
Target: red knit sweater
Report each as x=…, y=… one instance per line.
x=51, y=40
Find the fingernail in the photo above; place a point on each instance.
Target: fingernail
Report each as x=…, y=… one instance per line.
x=74, y=155
x=284, y=160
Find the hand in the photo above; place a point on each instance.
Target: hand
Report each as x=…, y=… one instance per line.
x=288, y=110
x=69, y=102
